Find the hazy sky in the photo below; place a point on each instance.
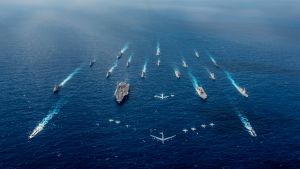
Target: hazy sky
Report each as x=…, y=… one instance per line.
x=277, y=19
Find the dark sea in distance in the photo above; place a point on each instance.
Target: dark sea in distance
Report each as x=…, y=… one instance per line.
x=43, y=42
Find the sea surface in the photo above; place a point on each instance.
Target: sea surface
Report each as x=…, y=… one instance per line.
x=255, y=43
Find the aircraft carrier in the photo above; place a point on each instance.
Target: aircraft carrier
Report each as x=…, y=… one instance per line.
x=121, y=91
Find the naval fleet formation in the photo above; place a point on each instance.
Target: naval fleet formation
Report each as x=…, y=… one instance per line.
x=122, y=89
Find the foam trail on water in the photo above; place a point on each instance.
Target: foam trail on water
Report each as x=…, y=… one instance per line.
x=175, y=69
x=209, y=72
x=157, y=48
x=113, y=67
x=124, y=48
x=228, y=75
x=145, y=66
x=211, y=58
x=196, y=53
x=194, y=80
x=70, y=76
x=55, y=110
x=246, y=124
x=129, y=59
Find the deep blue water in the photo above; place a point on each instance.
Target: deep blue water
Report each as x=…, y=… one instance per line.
x=42, y=43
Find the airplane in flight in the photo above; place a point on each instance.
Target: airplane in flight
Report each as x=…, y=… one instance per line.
x=162, y=138
x=161, y=96
x=203, y=125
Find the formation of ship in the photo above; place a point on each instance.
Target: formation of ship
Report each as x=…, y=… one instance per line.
x=122, y=89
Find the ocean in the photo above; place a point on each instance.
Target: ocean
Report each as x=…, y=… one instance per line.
x=255, y=44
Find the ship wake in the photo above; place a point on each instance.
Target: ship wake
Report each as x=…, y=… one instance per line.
x=157, y=48
x=208, y=71
x=196, y=53
x=246, y=124
x=113, y=67
x=55, y=110
x=70, y=76
x=124, y=48
x=194, y=80
x=145, y=67
x=175, y=69
x=129, y=59
x=212, y=58
x=228, y=75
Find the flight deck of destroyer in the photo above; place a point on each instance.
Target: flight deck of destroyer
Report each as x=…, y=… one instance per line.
x=121, y=91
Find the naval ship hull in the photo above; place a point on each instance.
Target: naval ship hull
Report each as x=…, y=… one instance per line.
x=121, y=92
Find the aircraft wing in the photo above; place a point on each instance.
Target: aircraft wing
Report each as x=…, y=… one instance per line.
x=158, y=97
x=168, y=138
x=156, y=137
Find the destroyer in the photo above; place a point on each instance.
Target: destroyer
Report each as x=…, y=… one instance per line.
x=92, y=62
x=177, y=74
x=121, y=91
x=243, y=91
x=201, y=93
x=38, y=129
x=120, y=55
x=56, y=88
x=108, y=74
x=143, y=74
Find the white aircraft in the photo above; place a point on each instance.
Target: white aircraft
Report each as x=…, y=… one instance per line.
x=162, y=139
x=161, y=96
